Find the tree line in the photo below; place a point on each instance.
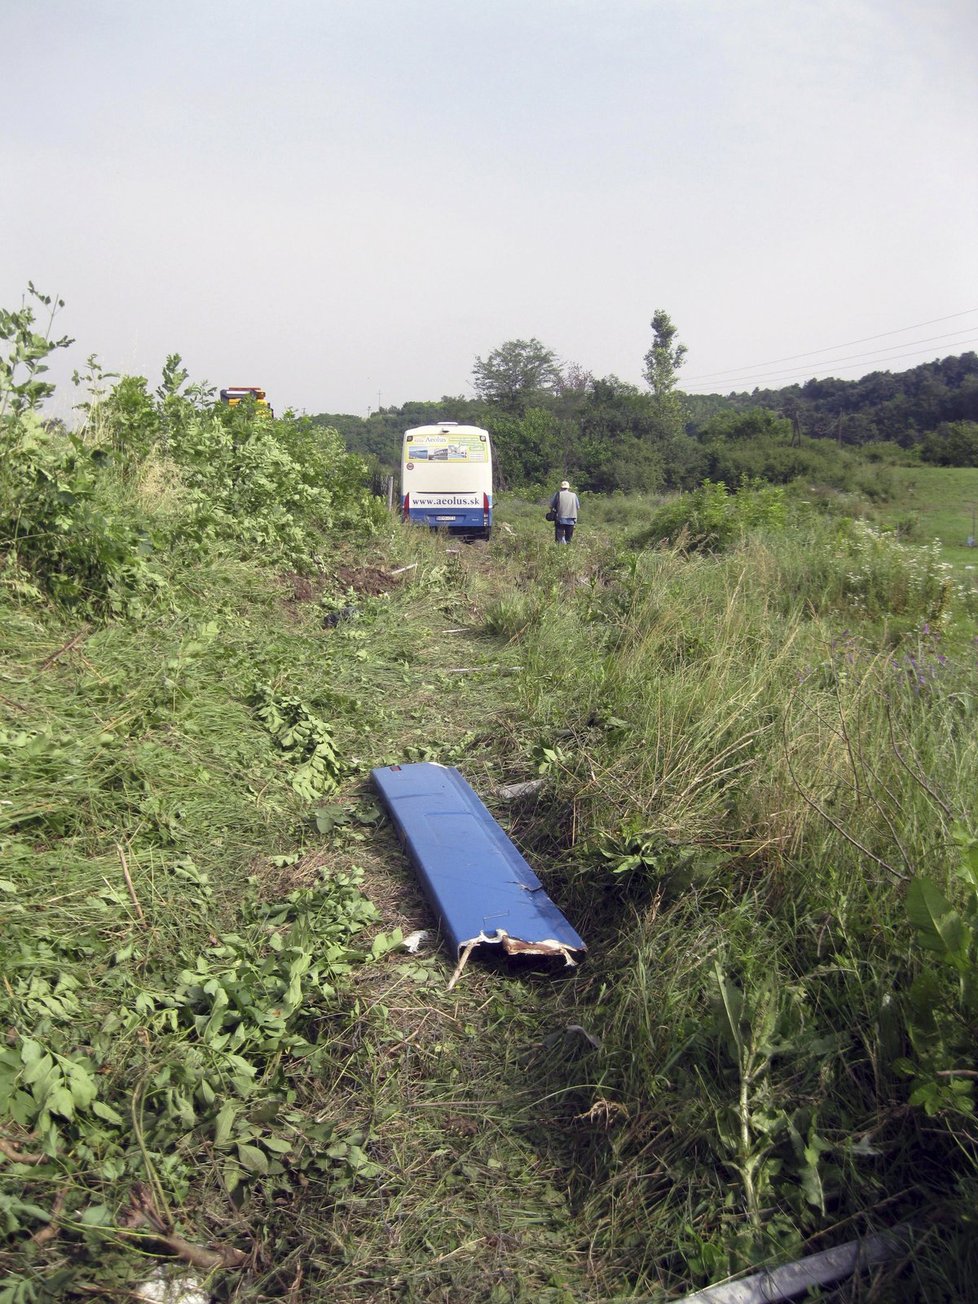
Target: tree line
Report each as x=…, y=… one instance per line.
x=550, y=419
x=904, y=408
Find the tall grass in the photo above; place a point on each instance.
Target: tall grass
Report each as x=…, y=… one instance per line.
x=752, y=756
x=747, y=758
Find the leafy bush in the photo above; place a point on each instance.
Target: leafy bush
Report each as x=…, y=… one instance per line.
x=624, y=463
x=130, y=420
x=941, y=1005
x=739, y=427
x=68, y=513
x=779, y=461
x=876, y=483
x=955, y=443
x=711, y=518
x=886, y=452
x=275, y=488
x=20, y=389
x=54, y=520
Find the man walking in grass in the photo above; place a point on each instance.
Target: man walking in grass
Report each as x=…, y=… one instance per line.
x=567, y=506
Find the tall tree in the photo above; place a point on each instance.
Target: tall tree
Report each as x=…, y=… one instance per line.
x=517, y=375
x=662, y=363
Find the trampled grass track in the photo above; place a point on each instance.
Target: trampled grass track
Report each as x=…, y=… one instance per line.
x=476, y=1109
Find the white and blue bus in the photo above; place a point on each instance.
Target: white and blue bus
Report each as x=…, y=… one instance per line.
x=446, y=478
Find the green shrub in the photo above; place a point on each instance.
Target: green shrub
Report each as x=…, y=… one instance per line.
x=55, y=523
x=712, y=518
x=884, y=577
x=55, y=520
x=271, y=487
x=955, y=443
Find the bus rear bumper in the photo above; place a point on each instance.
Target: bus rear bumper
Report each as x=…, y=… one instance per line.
x=475, y=523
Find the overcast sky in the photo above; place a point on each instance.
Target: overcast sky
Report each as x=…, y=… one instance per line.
x=348, y=201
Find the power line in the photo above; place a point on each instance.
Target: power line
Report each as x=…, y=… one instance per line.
x=795, y=376
x=791, y=357
x=874, y=354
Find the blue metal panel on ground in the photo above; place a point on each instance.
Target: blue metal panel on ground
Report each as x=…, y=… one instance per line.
x=479, y=885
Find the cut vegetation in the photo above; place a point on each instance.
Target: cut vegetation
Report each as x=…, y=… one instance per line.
x=750, y=722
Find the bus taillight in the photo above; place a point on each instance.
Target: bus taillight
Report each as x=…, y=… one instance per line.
x=485, y=509
x=407, y=507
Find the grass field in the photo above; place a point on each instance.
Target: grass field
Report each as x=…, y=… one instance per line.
x=747, y=756
x=943, y=503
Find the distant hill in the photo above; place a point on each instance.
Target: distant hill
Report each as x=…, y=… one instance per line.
x=902, y=407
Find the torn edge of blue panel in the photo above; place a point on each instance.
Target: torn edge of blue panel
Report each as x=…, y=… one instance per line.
x=512, y=946
x=479, y=885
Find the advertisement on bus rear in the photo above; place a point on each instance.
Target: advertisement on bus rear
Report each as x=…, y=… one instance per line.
x=446, y=446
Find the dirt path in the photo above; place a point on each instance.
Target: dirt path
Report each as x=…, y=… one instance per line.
x=453, y=1094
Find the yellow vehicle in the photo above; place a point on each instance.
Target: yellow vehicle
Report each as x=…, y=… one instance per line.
x=233, y=395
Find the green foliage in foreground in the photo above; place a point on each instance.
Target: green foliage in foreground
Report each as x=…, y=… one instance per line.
x=161, y=1006
x=162, y=1000
x=758, y=759
x=228, y=1014
x=942, y=1003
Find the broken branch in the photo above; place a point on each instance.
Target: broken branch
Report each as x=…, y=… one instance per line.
x=65, y=647
x=49, y=1232
x=20, y=1156
x=129, y=884
x=143, y=1214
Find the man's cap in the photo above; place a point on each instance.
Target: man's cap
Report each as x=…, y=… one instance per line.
x=564, y=484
